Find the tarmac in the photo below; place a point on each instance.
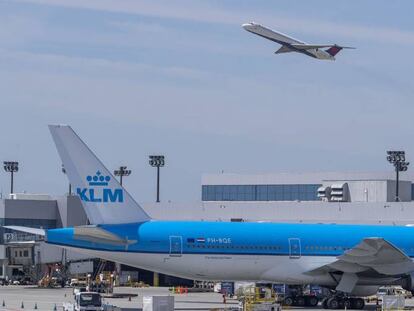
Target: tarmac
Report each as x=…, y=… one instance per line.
x=18, y=298
x=47, y=298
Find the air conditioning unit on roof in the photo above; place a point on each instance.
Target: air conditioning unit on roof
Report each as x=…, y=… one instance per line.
x=340, y=192
x=324, y=193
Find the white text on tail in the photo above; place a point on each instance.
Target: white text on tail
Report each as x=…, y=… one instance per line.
x=103, y=198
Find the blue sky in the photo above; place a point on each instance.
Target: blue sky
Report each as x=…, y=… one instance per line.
x=182, y=78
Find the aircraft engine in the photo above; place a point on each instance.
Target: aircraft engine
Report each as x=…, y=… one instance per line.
x=407, y=282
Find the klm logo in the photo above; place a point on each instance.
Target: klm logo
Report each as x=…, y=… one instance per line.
x=98, y=191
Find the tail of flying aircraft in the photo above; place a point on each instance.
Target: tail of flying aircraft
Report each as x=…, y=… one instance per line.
x=335, y=49
x=103, y=198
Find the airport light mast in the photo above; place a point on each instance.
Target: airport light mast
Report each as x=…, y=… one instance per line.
x=157, y=161
x=11, y=167
x=122, y=171
x=397, y=158
x=70, y=185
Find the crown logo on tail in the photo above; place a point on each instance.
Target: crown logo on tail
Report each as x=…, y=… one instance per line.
x=98, y=179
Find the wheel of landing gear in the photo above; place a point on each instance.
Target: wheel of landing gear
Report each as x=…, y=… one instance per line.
x=325, y=303
x=300, y=301
x=288, y=301
x=347, y=303
x=357, y=303
x=333, y=303
x=312, y=301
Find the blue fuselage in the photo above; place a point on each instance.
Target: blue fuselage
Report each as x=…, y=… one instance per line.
x=175, y=237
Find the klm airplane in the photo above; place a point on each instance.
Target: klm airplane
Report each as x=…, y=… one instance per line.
x=352, y=260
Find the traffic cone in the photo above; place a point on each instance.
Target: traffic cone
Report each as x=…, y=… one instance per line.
x=22, y=306
x=35, y=307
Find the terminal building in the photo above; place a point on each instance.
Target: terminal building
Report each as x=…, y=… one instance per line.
x=323, y=197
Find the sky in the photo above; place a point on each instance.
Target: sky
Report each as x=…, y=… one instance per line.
x=183, y=79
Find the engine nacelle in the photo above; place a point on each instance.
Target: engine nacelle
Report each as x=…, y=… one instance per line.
x=407, y=282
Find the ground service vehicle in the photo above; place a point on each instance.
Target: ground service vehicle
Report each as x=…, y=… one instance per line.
x=86, y=301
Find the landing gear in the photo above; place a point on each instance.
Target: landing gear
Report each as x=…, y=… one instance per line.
x=301, y=301
x=342, y=302
x=311, y=301
x=333, y=303
x=357, y=303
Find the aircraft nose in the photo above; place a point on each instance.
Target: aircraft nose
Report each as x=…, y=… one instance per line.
x=248, y=25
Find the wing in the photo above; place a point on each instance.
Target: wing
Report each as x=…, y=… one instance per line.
x=30, y=230
x=374, y=256
x=284, y=49
x=270, y=34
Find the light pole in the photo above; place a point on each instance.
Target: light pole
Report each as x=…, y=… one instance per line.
x=397, y=158
x=11, y=167
x=157, y=161
x=70, y=185
x=122, y=171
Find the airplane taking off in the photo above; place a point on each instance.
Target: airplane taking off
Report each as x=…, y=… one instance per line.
x=352, y=260
x=290, y=44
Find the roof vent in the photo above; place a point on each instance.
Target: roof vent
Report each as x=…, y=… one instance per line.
x=324, y=193
x=340, y=192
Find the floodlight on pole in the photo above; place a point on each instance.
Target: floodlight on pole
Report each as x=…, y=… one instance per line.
x=157, y=161
x=122, y=171
x=11, y=167
x=397, y=158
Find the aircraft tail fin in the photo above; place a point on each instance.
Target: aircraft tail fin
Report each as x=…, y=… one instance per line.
x=335, y=49
x=103, y=198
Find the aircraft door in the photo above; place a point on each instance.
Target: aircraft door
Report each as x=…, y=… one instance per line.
x=294, y=248
x=176, y=246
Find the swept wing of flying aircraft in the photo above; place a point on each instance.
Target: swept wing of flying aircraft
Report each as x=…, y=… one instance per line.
x=353, y=260
x=289, y=44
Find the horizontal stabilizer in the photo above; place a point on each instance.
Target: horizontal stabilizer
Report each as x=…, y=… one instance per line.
x=35, y=231
x=99, y=235
x=284, y=49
